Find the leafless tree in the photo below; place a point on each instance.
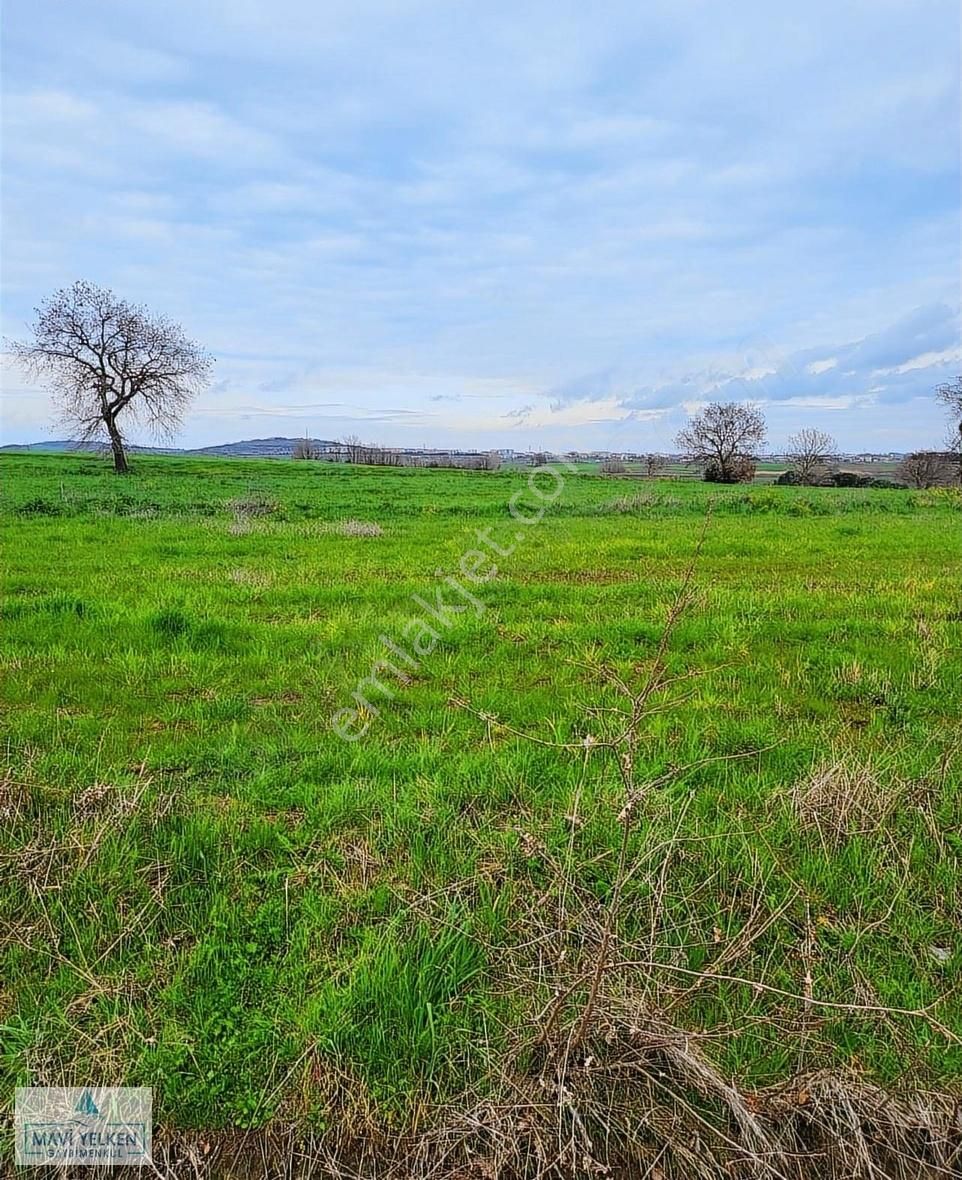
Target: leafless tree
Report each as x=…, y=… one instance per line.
x=612, y=466
x=654, y=464
x=925, y=469
x=305, y=448
x=950, y=394
x=110, y=363
x=726, y=438
x=353, y=448
x=810, y=452
x=370, y=454
x=492, y=461
x=385, y=456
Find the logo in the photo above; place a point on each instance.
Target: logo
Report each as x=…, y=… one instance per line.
x=86, y=1105
x=104, y=1127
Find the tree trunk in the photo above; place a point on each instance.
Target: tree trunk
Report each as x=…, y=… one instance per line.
x=117, y=446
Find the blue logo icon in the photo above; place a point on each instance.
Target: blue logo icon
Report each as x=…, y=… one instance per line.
x=86, y=1105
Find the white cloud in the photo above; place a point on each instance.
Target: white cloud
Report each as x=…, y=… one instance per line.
x=523, y=197
x=927, y=360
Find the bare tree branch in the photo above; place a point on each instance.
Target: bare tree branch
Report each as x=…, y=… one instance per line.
x=726, y=439
x=810, y=452
x=949, y=393
x=104, y=357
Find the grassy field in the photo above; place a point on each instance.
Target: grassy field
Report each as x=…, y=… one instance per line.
x=207, y=891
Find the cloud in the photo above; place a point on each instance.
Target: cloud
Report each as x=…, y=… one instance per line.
x=202, y=130
x=901, y=362
x=501, y=216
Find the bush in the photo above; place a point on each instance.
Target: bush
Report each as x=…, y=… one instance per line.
x=741, y=469
x=39, y=507
x=253, y=505
x=788, y=479
x=852, y=479
x=939, y=497
x=927, y=469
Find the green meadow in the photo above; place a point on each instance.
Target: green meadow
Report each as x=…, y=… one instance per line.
x=204, y=889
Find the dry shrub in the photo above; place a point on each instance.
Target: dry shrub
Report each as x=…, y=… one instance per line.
x=636, y=1097
x=604, y=1081
x=101, y=799
x=647, y=1102
x=360, y=528
x=843, y=798
x=253, y=504
x=14, y=801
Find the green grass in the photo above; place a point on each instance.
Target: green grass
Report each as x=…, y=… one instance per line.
x=207, y=891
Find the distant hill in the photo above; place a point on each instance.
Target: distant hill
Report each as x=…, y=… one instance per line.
x=265, y=448
x=52, y=445
x=251, y=448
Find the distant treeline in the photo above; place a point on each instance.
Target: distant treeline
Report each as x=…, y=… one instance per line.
x=352, y=450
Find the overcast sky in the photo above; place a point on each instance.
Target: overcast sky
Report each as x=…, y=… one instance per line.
x=542, y=224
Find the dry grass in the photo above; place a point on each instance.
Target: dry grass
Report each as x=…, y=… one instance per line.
x=253, y=504
x=645, y=1101
x=843, y=798
x=360, y=528
x=635, y=1098
x=240, y=525
x=242, y=576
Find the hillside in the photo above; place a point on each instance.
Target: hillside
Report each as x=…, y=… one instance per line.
x=251, y=448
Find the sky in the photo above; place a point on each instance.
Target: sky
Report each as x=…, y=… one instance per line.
x=547, y=225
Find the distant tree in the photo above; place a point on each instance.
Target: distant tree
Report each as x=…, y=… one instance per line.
x=492, y=461
x=305, y=448
x=810, y=452
x=925, y=469
x=612, y=466
x=949, y=394
x=725, y=438
x=654, y=464
x=110, y=363
x=353, y=448
x=370, y=454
